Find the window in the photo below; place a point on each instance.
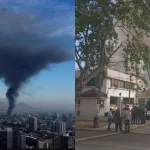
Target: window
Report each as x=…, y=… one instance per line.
x=122, y=84
x=141, y=101
x=126, y=101
x=116, y=82
x=127, y=85
x=112, y=82
x=113, y=100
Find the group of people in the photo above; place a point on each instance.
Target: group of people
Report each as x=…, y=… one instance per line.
x=137, y=115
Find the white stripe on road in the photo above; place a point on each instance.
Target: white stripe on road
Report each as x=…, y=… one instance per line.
x=117, y=146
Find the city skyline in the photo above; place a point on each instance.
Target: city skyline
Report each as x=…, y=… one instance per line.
x=56, y=25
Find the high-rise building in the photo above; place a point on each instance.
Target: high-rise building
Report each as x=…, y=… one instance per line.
x=22, y=142
x=69, y=125
x=57, y=142
x=42, y=144
x=60, y=127
x=32, y=124
x=15, y=135
x=6, y=138
x=52, y=126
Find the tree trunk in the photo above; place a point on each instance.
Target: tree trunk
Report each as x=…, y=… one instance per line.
x=100, y=78
x=96, y=123
x=77, y=99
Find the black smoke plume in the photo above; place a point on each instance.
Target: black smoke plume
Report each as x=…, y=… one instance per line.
x=24, y=53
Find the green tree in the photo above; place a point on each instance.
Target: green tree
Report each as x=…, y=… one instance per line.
x=97, y=39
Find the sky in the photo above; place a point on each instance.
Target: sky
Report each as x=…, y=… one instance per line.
x=55, y=20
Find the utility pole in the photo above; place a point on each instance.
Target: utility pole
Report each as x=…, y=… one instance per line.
x=120, y=103
x=129, y=89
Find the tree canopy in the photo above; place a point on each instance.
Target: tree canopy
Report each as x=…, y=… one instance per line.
x=97, y=38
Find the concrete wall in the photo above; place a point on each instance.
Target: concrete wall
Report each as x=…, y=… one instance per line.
x=88, y=109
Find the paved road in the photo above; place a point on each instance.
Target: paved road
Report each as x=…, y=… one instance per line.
x=82, y=133
x=137, y=140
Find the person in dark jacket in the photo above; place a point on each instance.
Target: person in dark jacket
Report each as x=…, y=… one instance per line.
x=133, y=114
x=142, y=115
x=139, y=115
x=118, y=120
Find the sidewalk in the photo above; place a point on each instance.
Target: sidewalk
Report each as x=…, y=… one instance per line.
x=91, y=133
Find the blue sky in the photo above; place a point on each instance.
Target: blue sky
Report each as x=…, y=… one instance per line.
x=55, y=20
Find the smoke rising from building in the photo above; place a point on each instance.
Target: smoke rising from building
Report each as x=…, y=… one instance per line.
x=25, y=52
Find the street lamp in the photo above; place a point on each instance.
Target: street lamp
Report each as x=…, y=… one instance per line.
x=120, y=103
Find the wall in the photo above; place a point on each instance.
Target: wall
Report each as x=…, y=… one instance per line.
x=88, y=109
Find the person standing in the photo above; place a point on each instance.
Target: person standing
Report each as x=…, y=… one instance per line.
x=145, y=113
x=127, y=116
x=133, y=115
x=118, y=120
x=110, y=118
x=136, y=115
x=140, y=115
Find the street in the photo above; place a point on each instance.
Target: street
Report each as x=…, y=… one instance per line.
x=138, y=139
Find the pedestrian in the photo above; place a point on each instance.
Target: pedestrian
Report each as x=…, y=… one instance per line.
x=136, y=115
x=140, y=115
x=145, y=113
x=110, y=118
x=118, y=120
x=133, y=114
x=127, y=116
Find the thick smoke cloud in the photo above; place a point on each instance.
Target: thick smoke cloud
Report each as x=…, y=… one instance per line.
x=24, y=53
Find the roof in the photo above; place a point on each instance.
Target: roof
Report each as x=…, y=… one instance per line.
x=92, y=93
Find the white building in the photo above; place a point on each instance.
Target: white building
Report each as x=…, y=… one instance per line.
x=114, y=84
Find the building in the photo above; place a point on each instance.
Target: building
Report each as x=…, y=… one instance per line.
x=52, y=126
x=22, y=142
x=57, y=142
x=42, y=144
x=142, y=96
x=60, y=127
x=32, y=124
x=67, y=142
x=116, y=86
x=6, y=138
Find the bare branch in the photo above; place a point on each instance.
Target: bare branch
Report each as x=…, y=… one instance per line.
x=77, y=60
x=115, y=50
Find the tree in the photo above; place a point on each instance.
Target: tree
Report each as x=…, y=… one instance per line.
x=97, y=39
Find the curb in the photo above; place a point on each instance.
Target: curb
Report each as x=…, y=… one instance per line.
x=92, y=129
x=105, y=135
